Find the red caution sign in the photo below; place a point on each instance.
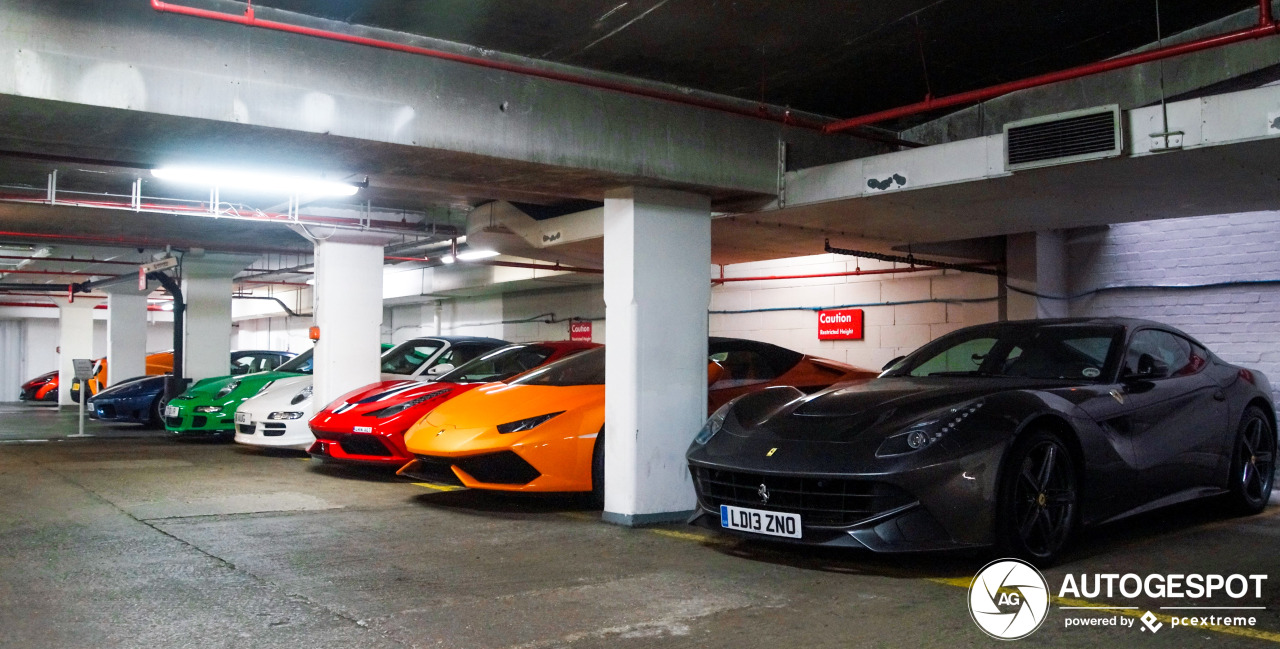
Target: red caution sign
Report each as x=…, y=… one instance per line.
x=840, y=324
x=580, y=331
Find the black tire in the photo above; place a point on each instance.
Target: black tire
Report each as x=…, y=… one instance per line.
x=157, y=412
x=1039, y=499
x=597, y=470
x=1253, y=462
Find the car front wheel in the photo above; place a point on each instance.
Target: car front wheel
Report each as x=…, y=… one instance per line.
x=1039, y=499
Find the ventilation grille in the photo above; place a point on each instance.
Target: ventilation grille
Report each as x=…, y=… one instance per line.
x=1087, y=134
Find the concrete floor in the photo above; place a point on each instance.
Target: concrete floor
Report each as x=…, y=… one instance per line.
x=131, y=539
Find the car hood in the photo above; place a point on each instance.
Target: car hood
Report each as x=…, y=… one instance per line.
x=498, y=403
x=132, y=387
x=280, y=395
x=385, y=394
x=841, y=413
x=39, y=380
x=208, y=388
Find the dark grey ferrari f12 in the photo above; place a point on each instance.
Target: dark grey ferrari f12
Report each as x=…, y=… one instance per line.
x=1012, y=435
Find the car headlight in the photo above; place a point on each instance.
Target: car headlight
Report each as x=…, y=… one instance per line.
x=714, y=423
x=401, y=407
x=226, y=389
x=925, y=433
x=208, y=409
x=291, y=414
x=526, y=424
x=301, y=396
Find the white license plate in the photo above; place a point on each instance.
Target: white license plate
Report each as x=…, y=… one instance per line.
x=171, y=411
x=362, y=429
x=760, y=521
x=243, y=418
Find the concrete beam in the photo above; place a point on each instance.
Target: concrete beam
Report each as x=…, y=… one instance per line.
x=276, y=98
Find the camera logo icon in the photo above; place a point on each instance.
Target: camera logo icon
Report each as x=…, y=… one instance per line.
x=1009, y=599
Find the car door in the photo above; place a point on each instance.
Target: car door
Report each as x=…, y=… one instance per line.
x=1174, y=418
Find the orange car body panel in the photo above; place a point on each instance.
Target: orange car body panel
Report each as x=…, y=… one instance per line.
x=560, y=449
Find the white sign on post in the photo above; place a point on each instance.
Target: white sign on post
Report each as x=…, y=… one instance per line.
x=84, y=371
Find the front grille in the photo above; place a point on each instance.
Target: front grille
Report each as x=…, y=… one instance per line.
x=173, y=422
x=498, y=468
x=821, y=502
x=272, y=430
x=244, y=429
x=199, y=421
x=1067, y=137
x=435, y=469
x=363, y=445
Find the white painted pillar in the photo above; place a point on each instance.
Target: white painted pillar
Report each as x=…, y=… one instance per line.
x=75, y=340
x=126, y=332
x=657, y=249
x=1037, y=261
x=348, y=308
x=206, y=289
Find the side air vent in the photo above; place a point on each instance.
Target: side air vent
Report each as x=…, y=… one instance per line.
x=1088, y=134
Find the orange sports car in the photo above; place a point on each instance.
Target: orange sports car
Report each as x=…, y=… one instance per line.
x=541, y=432
x=157, y=364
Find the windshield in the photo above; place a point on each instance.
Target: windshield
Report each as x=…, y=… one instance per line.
x=408, y=356
x=1057, y=351
x=586, y=368
x=300, y=364
x=499, y=364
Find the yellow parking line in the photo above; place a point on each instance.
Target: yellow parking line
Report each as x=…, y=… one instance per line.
x=437, y=487
x=691, y=536
x=1247, y=632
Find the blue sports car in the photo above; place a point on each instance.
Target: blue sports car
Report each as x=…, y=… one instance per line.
x=140, y=400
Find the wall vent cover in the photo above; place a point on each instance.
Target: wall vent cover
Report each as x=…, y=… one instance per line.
x=1088, y=134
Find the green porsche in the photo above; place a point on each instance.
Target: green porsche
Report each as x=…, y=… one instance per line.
x=209, y=407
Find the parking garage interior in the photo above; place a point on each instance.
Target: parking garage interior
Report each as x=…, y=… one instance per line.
x=181, y=182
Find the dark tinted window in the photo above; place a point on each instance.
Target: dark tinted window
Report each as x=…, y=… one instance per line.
x=586, y=368
x=742, y=367
x=1179, y=356
x=500, y=364
x=300, y=363
x=1049, y=351
x=407, y=357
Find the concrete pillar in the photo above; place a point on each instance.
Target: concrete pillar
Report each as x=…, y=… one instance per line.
x=126, y=332
x=75, y=340
x=206, y=289
x=657, y=252
x=348, y=308
x=1037, y=262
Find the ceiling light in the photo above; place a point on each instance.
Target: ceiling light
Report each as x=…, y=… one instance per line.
x=254, y=181
x=448, y=259
x=472, y=255
x=167, y=306
x=17, y=247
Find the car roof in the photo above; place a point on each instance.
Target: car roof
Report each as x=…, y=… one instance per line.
x=462, y=339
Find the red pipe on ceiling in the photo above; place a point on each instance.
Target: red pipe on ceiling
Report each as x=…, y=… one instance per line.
x=1265, y=27
x=852, y=273
x=43, y=305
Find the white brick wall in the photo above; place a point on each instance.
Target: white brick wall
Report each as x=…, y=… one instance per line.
x=1241, y=324
x=889, y=330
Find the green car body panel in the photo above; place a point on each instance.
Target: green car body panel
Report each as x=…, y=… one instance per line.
x=208, y=408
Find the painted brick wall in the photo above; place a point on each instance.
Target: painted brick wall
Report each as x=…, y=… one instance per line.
x=889, y=330
x=1241, y=323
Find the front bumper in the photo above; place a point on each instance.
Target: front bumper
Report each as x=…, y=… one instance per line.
x=130, y=410
x=192, y=423
x=290, y=433
x=359, y=448
x=948, y=503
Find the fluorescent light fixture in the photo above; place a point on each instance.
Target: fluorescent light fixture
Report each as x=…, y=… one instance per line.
x=168, y=306
x=448, y=259
x=254, y=181
x=311, y=282
x=472, y=255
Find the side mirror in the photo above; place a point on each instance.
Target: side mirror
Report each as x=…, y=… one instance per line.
x=891, y=363
x=1149, y=368
x=440, y=369
x=715, y=372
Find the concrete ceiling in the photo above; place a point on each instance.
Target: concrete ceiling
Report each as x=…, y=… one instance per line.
x=832, y=57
